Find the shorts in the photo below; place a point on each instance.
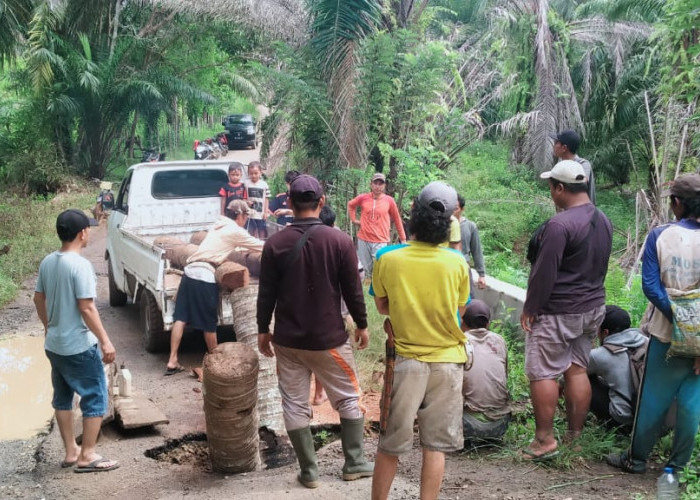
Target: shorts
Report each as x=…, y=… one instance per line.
x=83, y=374
x=197, y=304
x=559, y=340
x=433, y=391
x=258, y=226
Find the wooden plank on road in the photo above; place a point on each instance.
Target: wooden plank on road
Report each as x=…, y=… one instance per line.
x=137, y=411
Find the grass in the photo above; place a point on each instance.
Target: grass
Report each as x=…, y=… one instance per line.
x=28, y=226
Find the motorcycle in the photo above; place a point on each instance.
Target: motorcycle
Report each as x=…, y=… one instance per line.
x=202, y=150
x=150, y=155
x=105, y=201
x=222, y=141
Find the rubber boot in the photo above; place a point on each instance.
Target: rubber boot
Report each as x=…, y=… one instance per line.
x=352, y=436
x=303, y=444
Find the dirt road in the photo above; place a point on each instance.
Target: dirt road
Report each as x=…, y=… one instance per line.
x=30, y=468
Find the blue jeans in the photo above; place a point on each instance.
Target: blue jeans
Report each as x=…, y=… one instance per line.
x=666, y=380
x=80, y=373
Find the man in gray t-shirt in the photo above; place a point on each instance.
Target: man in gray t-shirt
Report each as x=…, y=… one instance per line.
x=566, y=145
x=65, y=303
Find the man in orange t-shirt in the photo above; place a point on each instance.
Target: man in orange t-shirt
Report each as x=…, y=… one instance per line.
x=377, y=211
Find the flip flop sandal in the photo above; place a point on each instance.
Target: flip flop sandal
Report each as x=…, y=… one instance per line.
x=528, y=454
x=173, y=371
x=93, y=466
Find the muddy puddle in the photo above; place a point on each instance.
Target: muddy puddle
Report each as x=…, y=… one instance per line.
x=275, y=451
x=25, y=387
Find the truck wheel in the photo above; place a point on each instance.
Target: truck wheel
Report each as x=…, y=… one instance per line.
x=151, y=323
x=117, y=298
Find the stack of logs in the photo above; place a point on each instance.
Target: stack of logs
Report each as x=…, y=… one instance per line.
x=233, y=273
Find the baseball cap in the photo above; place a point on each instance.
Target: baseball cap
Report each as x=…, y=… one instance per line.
x=306, y=185
x=568, y=138
x=439, y=197
x=684, y=186
x=477, y=309
x=616, y=319
x=379, y=177
x=566, y=171
x=238, y=207
x=71, y=222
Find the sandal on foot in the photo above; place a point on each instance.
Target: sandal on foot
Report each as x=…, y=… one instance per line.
x=66, y=465
x=94, y=466
x=533, y=456
x=172, y=371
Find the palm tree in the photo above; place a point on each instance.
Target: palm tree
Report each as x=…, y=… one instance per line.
x=14, y=17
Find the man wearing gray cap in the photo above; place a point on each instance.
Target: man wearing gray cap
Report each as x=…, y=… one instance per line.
x=377, y=211
x=423, y=287
x=65, y=303
x=564, y=305
x=670, y=271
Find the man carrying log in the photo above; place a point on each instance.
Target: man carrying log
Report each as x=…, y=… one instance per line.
x=197, y=302
x=305, y=270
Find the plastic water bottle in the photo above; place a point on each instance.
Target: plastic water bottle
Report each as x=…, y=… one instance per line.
x=667, y=485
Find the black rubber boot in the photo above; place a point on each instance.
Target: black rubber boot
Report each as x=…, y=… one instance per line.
x=352, y=436
x=303, y=444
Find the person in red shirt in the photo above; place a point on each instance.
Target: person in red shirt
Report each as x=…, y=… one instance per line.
x=377, y=211
x=235, y=189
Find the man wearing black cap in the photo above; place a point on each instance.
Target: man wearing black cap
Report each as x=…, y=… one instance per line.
x=566, y=145
x=305, y=270
x=65, y=303
x=564, y=305
x=670, y=268
x=423, y=288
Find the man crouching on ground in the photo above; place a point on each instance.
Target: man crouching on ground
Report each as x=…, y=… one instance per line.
x=65, y=302
x=305, y=269
x=422, y=286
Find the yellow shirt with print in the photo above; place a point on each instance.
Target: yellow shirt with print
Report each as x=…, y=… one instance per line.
x=425, y=284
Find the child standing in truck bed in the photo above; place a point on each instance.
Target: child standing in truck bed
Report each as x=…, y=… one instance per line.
x=235, y=189
x=258, y=194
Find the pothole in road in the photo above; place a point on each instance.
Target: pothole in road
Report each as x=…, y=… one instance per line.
x=192, y=449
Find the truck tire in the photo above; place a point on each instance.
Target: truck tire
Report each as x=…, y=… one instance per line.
x=151, y=324
x=117, y=298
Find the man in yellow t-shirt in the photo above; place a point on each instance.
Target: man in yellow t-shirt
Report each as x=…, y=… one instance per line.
x=424, y=288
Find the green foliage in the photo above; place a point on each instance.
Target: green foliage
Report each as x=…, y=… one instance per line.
x=28, y=226
x=690, y=476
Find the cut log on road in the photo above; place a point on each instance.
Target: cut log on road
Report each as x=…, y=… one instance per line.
x=230, y=276
x=244, y=305
x=178, y=255
x=249, y=260
x=197, y=237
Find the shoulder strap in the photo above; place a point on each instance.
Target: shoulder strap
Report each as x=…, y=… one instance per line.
x=615, y=348
x=293, y=254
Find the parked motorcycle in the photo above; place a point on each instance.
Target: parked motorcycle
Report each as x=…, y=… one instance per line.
x=151, y=155
x=202, y=150
x=222, y=141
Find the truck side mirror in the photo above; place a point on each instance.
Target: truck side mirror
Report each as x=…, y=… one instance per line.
x=223, y=124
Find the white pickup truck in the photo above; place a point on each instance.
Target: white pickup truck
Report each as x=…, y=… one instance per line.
x=176, y=198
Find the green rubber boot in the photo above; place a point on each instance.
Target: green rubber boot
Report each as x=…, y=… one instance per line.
x=352, y=436
x=303, y=444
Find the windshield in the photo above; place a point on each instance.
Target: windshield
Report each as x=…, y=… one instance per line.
x=240, y=120
x=188, y=183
